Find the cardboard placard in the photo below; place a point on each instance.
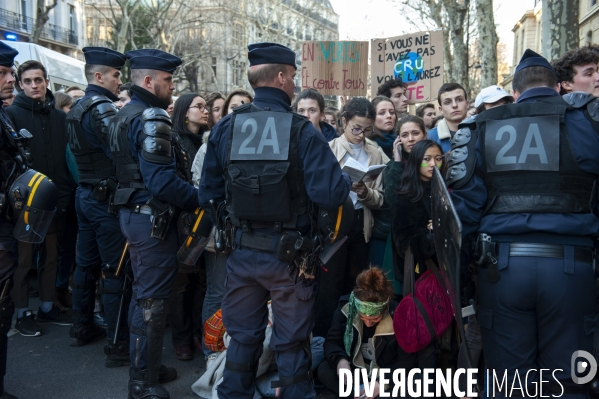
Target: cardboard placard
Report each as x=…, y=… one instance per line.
x=335, y=68
x=416, y=57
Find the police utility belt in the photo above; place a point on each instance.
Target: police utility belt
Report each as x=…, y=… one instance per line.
x=285, y=246
x=161, y=214
x=103, y=191
x=486, y=251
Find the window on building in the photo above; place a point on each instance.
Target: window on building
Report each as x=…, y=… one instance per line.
x=238, y=72
x=589, y=38
x=72, y=18
x=23, y=13
x=102, y=29
x=89, y=26
x=238, y=36
x=593, y=2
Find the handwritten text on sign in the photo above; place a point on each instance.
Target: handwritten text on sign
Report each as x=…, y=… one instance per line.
x=416, y=58
x=335, y=68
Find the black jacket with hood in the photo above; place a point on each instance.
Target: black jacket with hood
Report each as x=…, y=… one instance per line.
x=48, y=146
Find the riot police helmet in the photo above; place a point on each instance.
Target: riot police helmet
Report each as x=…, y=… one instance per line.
x=33, y=198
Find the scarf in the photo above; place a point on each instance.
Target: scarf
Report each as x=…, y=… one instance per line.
x=386, y=142
x=357, y=307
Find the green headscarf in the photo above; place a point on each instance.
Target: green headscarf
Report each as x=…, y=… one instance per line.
x=364, y=308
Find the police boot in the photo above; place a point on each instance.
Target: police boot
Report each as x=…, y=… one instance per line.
x=141, y=388
x=117, y=355
x=84, y=333
x=145, y=383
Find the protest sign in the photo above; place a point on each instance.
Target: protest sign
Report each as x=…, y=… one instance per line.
x=335, y=68
x=416, y=58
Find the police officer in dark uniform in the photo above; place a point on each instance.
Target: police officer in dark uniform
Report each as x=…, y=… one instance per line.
x=524, y=177
x=100, y=241
x=8, y=244
x=271, y=166
x=150, y=194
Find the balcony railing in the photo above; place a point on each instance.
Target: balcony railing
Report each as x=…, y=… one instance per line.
x=17, y=22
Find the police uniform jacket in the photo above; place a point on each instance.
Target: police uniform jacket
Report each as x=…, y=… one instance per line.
x=49, y=143
x=161, y=180
x=325, y=184
x=328, y=131
x=566, y=229
x=86, y=122
x=374, y=197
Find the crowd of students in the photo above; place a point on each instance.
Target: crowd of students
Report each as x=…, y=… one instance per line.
x=391, y=213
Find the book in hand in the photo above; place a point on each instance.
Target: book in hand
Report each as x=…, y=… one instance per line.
x=358, y=172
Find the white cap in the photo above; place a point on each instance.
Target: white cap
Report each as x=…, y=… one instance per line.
x=491, y=94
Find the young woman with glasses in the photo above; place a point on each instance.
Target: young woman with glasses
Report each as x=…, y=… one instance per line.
x=190, y=114
x=358, y=120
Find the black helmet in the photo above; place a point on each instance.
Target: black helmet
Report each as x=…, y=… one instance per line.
x=33, y=198
x=196, y=227
x=334, y=224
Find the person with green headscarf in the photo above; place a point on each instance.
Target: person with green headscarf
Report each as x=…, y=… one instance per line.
x=361, y=333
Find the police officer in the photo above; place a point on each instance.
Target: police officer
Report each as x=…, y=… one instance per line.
x=150, y=193
x=277, y=165
x=100, y=241
x=8, y=244
x=524, y=175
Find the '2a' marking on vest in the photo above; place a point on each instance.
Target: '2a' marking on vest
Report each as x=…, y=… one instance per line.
x=113, y=137
x=261, y=136
x=530, y=143
x=73, y=140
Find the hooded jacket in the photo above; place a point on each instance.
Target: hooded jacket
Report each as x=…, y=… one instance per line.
x=48, y=146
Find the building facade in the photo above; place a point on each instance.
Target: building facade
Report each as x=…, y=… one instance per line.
x=528, y=32
x=63, y=32
x=212, y=36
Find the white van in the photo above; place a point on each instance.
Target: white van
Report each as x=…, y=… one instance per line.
x=63, y=71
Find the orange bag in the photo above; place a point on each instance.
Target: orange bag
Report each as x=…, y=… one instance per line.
x=214, y=331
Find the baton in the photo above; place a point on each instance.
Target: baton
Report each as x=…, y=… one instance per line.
x=122, y=260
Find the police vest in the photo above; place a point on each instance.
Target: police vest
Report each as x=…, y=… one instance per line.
x=528, y=160
x=92, y=163
x=127, y=167
x=265, y=182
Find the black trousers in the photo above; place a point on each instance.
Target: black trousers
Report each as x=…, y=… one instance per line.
x=340, y=277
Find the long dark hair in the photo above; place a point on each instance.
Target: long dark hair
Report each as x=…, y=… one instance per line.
x=181, y=107
x=411, y=184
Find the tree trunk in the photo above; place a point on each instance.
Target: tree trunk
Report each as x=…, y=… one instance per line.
x=457, y=10
x=41, y=17
x=560, y=27
x=436, y=14
x=487, y=48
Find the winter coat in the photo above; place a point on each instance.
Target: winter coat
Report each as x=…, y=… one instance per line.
x=374, y=197
x=48, y=146
x=442, y=135
x=387, y=352
x=409, y=226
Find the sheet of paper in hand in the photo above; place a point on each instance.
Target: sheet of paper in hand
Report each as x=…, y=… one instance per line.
x=358, y=172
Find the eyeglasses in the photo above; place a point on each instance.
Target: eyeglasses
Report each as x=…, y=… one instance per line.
x=199, y=106
x=356, y=131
